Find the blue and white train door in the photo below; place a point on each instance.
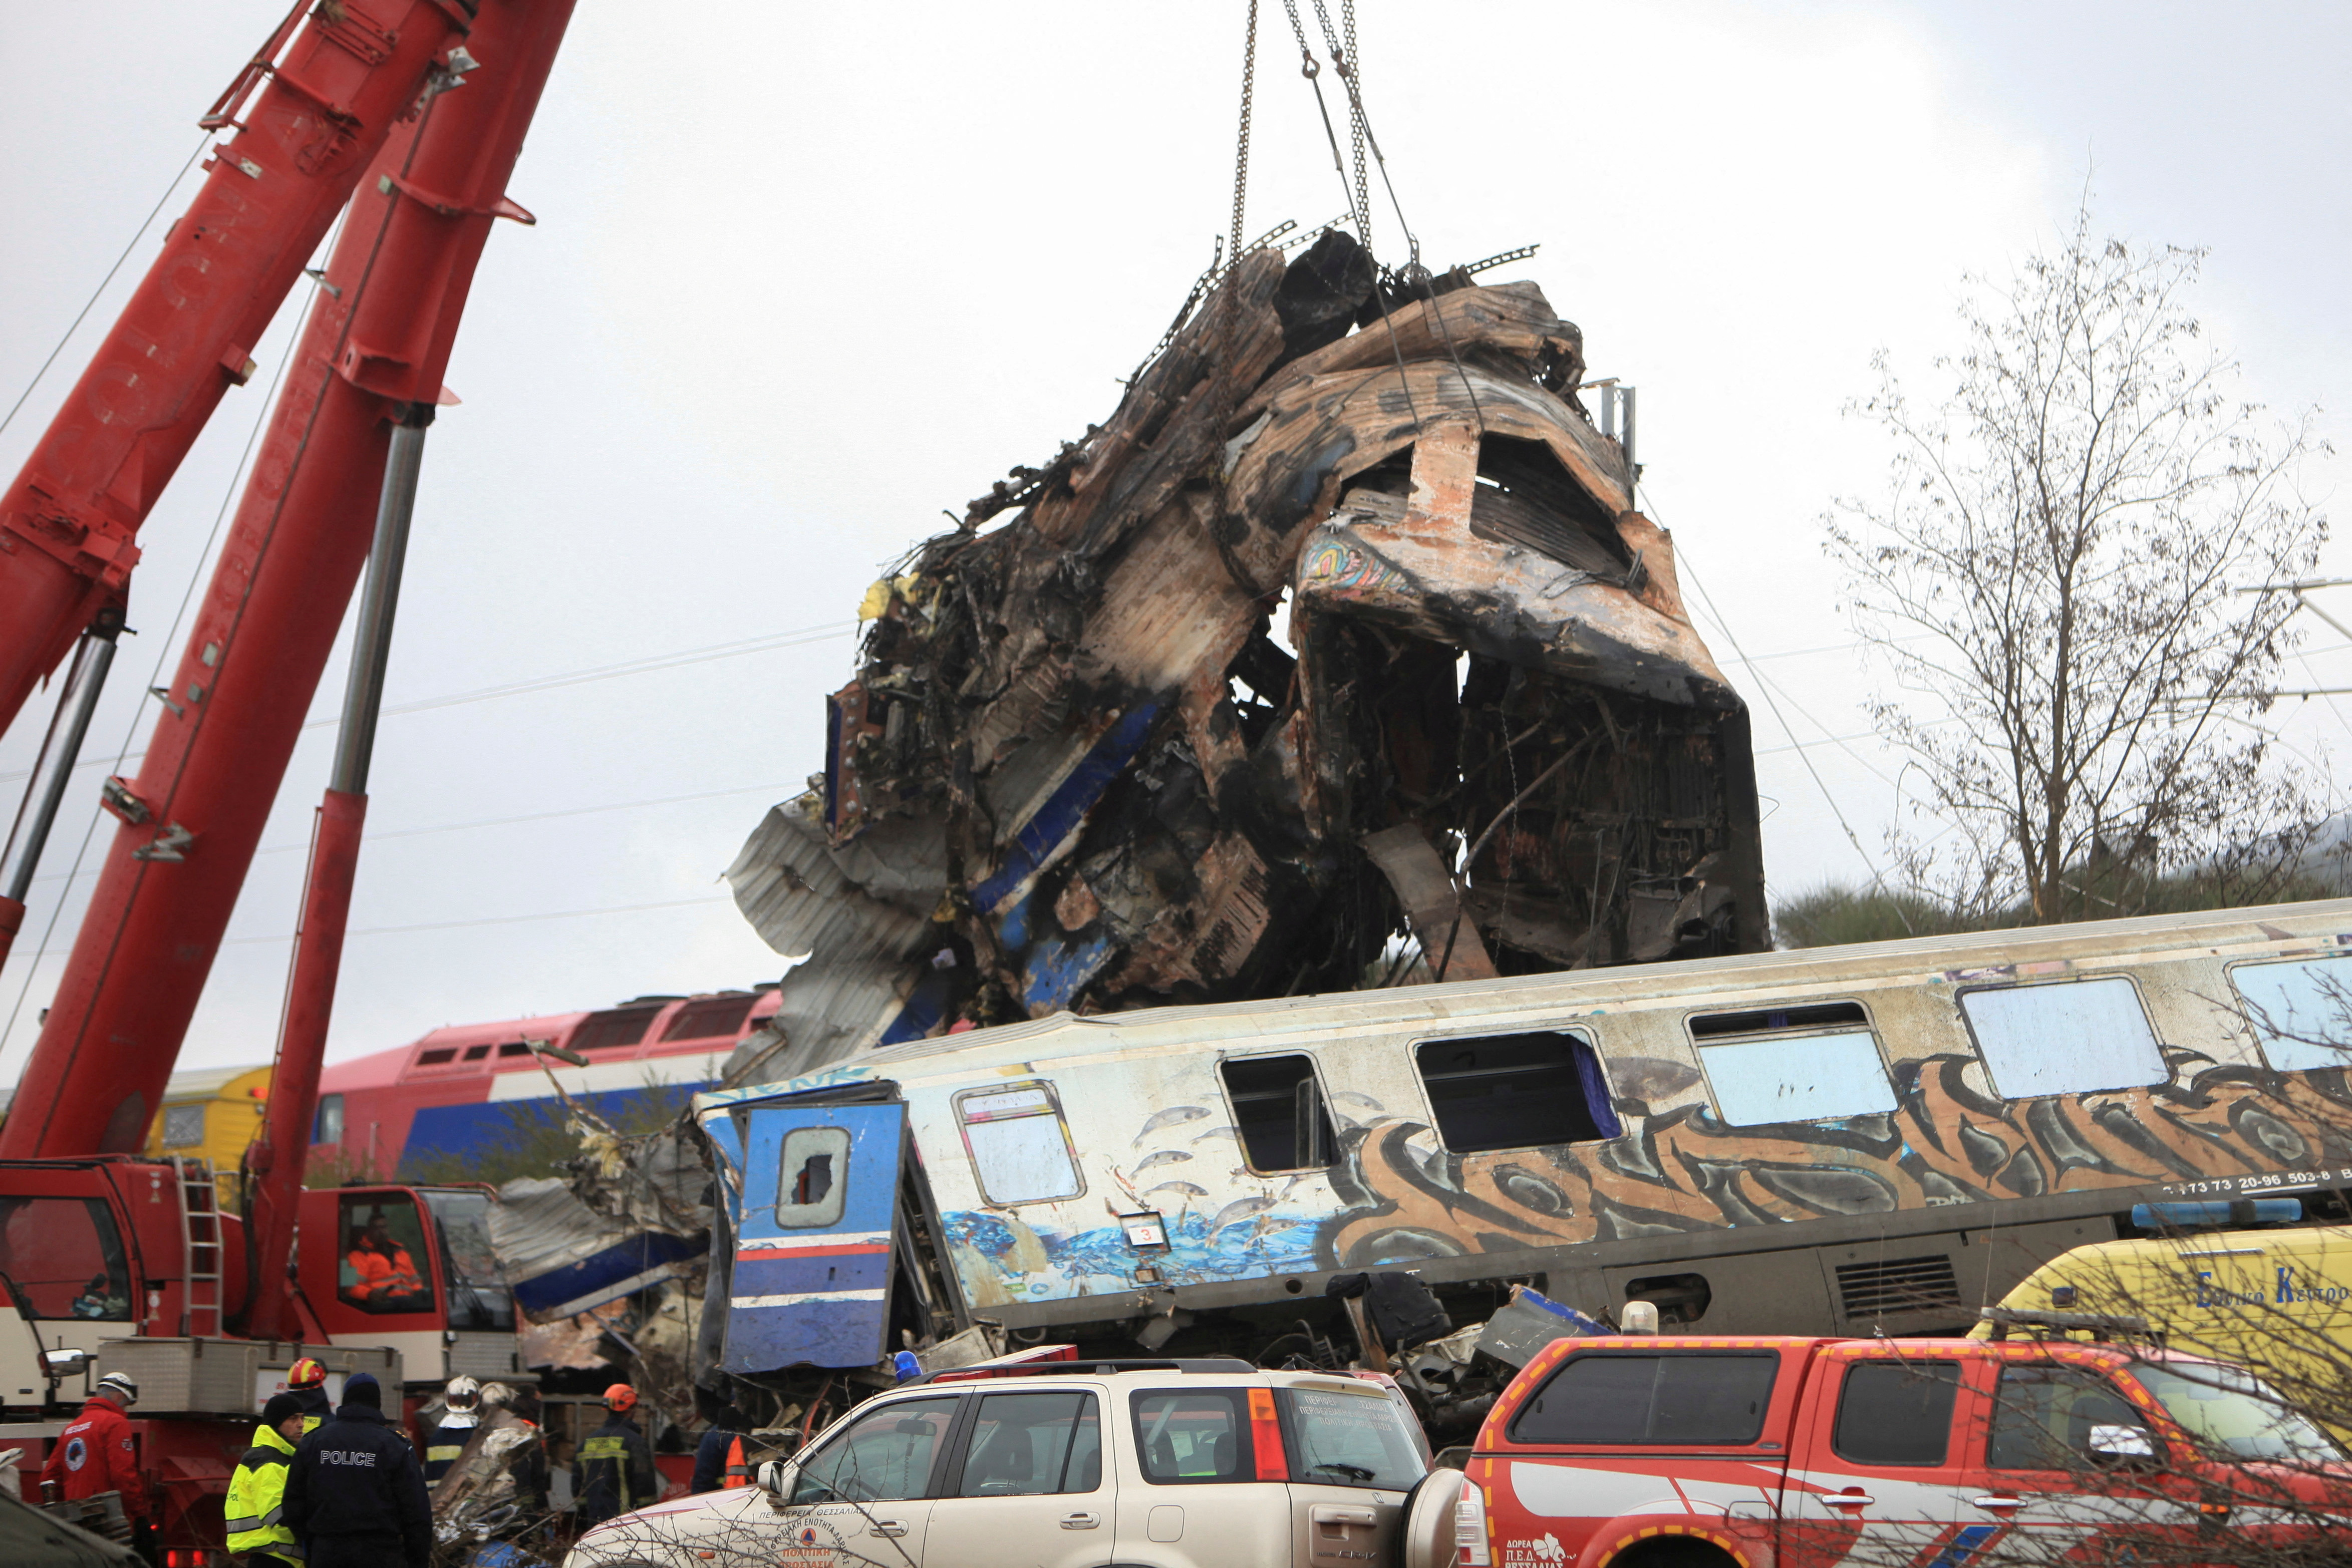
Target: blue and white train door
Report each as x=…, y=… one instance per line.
x=811, y=1271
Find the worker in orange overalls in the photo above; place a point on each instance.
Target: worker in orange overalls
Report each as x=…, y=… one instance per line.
x=388, y=1280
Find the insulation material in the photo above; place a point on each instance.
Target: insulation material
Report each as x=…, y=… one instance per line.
x=1341, y=627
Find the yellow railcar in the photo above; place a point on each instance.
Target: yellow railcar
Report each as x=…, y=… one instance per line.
x=212, y=1114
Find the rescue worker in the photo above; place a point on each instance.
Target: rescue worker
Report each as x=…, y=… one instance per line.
x=718, y=1458
x=614, y=1472
x=96, y=1452
x=256, y=1490
x=448, y=1439
x=307, y=1381
x=354, y=1492
x=387, y=1278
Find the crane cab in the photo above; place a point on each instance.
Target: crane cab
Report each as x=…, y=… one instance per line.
x=410, y=1267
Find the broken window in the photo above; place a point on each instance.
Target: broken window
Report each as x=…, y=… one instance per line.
x=1279, y=1106
x=1019, y=1145
x=2300, y=1012
x=2067, y=1037
x=1515, y=1091
x=811, y=1181
x=1815, y=1063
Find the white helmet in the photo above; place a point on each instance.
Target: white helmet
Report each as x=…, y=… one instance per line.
x=462, y=1393
x=120, y=1387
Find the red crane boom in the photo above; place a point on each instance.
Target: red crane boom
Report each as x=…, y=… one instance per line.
x=70, y=522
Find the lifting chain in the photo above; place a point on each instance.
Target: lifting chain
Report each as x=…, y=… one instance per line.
x=1241, y=150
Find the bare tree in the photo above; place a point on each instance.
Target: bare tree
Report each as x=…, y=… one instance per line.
x=2055, y=577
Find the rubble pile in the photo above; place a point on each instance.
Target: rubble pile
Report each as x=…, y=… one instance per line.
x=1081, y=766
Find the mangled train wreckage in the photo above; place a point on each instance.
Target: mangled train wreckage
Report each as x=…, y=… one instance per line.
x=1080, y=769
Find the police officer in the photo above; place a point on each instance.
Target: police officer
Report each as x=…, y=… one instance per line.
x=456, y=1429
x=614, y=1472
x=355, y=1494
x=256, y=1492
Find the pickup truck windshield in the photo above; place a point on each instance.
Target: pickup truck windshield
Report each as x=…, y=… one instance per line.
x=2234, y=1414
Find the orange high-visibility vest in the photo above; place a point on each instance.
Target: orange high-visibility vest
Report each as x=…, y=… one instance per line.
x=738, y=1474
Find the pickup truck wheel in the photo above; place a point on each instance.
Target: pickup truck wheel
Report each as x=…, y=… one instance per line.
x=1673, y=1551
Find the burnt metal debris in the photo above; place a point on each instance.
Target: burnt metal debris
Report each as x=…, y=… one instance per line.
x=1081, y=767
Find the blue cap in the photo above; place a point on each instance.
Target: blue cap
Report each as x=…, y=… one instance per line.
x=359, y=1388
x=906, y=1366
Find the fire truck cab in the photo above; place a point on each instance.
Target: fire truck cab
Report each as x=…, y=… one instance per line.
x=123, y=1263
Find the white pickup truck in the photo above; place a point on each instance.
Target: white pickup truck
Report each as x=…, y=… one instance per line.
x=1165, y=1464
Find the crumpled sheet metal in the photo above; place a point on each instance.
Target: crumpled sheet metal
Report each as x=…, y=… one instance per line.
x=1076, y=768
x=562, y=1258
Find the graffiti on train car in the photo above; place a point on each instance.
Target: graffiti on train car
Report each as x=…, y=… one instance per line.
x=1395, y=1198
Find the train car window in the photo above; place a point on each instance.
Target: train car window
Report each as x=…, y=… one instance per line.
x=1019, y=1145
x=476, y=1052
x=446, y=1053
x=1895, y=1411
x=2300, y=1012
x=811, y=1182
x=63, y=1257
x=2066, y=1037
x=616, y=1027
x=183, y=1126
x=327, y=1127
x=513, y=1047
x=1775, y=1020
x=1278, y=1107
x=1515, y=1091
x=1795, y=1076
x=1697, y=1398
x=713, y=1017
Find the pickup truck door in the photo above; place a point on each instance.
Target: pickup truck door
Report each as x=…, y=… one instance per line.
x=2040, y=1474
x=811, y=1283
x=1878, y=1472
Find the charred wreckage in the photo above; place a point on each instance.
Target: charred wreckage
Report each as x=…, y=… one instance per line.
x=1079, y=769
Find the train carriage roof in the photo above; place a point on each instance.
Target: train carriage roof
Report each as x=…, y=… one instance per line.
x=1958, y=958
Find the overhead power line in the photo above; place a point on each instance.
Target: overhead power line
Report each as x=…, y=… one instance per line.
x=651, y=664
x=501, y=919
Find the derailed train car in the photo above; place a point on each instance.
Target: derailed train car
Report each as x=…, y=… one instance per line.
x=1839, y=1140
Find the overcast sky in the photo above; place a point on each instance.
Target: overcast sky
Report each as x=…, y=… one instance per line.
x=805, y=276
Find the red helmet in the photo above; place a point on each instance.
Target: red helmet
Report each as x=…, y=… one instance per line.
x=306, y=1373
x=620, y=1397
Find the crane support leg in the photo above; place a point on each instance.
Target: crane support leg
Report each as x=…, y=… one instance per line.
x=284, y=1150
x=376, y=343
x=60, y=749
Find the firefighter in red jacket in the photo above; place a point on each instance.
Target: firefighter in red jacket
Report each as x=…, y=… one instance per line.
x=95, y=1453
